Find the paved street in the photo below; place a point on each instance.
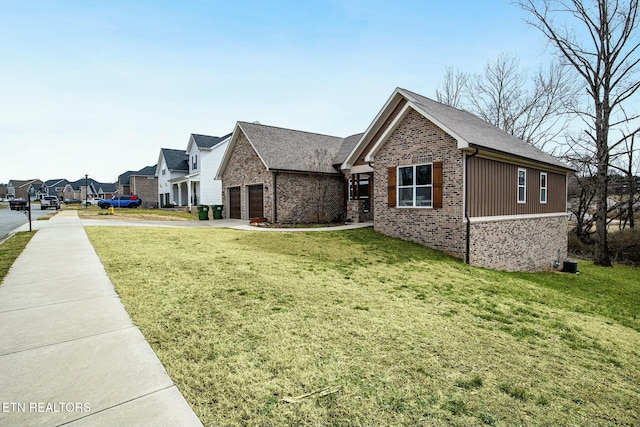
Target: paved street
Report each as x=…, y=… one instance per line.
x=10, y=220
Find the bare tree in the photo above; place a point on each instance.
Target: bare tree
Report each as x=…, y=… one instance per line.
x=531, y=109
x=606, y=59
x=580, y=187
x=319, y=182
x=625, y=161
x=453, y=87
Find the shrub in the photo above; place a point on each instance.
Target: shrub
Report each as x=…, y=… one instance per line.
x=578, y=247
x=625, y=246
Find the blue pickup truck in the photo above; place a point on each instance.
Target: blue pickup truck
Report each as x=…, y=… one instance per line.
x=130, y=201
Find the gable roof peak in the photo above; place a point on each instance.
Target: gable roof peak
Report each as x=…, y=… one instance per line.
x=469, y=130
x=207, y=141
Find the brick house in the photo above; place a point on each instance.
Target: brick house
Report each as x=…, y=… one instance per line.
x=143, y=183
x=444, y=178
x=22, y=189
x=283, y=175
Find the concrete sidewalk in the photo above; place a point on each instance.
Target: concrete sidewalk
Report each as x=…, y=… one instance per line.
x=69, y=353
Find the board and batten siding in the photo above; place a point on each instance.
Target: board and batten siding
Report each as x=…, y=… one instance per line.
x=493, y=189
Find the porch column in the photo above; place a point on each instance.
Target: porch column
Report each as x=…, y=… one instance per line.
x=189, y=193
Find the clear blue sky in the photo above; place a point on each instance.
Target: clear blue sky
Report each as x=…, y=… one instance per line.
x=98, y=87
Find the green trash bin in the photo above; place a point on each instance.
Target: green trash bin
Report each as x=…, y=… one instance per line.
x=203, y=212
x=217, y=211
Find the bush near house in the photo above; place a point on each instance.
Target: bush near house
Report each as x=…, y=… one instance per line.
x=624, y=246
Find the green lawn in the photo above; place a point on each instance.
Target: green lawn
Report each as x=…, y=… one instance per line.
x=11, y=249
x=354, y=328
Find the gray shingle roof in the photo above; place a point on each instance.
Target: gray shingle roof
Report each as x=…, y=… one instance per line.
x=145, y=171
x=286, y=149
x=107, y=187
x=60, y=182
x=176, y=160
x=478, y=132
x=347, y=145
x=206, y=141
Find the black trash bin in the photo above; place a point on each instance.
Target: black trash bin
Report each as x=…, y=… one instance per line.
x=569, y=266
x=203, y=212
x=217, y=211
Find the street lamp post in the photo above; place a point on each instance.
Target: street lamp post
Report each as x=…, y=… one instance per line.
x=86, y=190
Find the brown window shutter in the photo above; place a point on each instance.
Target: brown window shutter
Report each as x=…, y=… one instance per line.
x=391, y=187
x=437, y=185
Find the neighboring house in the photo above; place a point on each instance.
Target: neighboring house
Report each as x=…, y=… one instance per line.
x=200, y=185
x=3, y=190
x=143, y=183
x=25, y=188
x=78, y=189
x=55, y=187
x=105, y=190
x=283, y=175
x=445, y=178
x=172, y=164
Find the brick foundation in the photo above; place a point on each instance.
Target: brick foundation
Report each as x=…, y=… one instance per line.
x=530, y=244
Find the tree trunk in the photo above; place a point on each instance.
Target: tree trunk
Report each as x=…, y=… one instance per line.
x=601, y=252
x=632, y=187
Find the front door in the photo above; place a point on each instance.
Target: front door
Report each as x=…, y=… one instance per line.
x=234, y=203
x=256, y=206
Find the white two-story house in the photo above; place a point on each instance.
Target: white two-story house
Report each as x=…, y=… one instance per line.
x=193, y=183
x=172, y=164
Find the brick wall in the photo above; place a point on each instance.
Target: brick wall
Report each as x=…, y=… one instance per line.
x=245, y=168
x=300, y=200
x=356, y=211
x=417, y=140
x=530, y=244
x=146, y=188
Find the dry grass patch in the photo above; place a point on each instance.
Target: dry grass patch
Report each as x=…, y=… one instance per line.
x=356, y=328
x=94, y=212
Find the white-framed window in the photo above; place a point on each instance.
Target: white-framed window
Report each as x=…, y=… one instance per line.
x=522, y=185
x=164, y=171
x=543, y=187
x=415, y=186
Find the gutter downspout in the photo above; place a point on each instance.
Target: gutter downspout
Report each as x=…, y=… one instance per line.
x=466, y=204
x=275, y=197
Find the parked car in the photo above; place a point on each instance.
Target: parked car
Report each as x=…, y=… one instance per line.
x=18, y=204
x=72, y=201
x=130, y=201
x=49, y=202
x=92, y=201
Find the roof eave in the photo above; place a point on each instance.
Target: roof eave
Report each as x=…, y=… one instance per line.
x=357, y=149
x=514, y=158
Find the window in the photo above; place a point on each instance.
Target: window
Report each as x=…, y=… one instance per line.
x=543, y=187
x=522, y=185
x=164, y=171
x=415, y=186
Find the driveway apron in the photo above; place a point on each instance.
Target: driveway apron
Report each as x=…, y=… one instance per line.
x=69, y=353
